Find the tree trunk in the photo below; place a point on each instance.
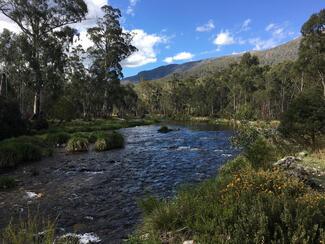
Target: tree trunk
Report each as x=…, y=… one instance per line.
x=37, y=104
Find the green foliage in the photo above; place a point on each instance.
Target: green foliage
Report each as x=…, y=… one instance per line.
x=249, y=207
x=15, y=152
x=77, y=144
x=64, y=110
x=58, y=138
x=305, y=118
x=32, y=230
x=39, y=124
x=235, y=166
x=11, y=123
x=101, y=145
x=115, y=140
x=7, y=182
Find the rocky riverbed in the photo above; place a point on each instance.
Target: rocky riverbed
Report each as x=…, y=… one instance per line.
x=98, y=192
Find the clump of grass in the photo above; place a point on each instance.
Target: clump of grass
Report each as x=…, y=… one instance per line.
x=164, y=129
x=91, y=137
x=7, y=182
x=58, y=138
x=108, y=141
x=13, y=153
x=77, y=144
x=31, y=230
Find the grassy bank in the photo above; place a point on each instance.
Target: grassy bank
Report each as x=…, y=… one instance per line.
x=76, y=135
x=249, y=201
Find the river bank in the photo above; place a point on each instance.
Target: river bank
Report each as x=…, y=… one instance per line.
x=99, y=192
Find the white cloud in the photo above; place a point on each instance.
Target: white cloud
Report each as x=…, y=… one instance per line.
x=146, y=44
x=278, y=32
x=206, y=27
x=179, y=57
x=131, y=7
x=246, y=25
x=224, y=38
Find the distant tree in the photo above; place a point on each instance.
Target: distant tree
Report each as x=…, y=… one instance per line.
x=312, y=48
x=39, y=20
x=111, y=46
x=305, y=118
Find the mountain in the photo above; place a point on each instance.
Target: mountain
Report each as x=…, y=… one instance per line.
x=284, y=52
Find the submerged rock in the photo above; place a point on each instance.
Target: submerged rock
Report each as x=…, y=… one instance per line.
x=164, y=129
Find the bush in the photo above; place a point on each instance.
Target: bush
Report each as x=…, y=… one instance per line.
x=64, y=109
x=13, y=153
x=77, y=144
x=91, y=137
x=108, y=141
x=234, y=166
x=11, y=122
x=261, y=153
x=59, y=138
x=250, y=207
x=115, y=140
x=7, y=182
x=305, y=118
x=39, y=124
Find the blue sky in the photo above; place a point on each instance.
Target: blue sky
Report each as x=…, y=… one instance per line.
x=176, y=31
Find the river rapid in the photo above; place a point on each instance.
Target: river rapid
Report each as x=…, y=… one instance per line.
x=98, y=192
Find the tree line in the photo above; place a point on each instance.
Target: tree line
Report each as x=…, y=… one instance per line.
x=49, y=76
x=244, y=90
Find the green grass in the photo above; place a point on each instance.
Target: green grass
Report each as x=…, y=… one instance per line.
x=7, y=182
x=77, y=144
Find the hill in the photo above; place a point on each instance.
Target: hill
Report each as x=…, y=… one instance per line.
x=287, y=51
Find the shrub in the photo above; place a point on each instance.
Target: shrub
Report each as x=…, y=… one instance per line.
x=305, y=118
x=11, y=122
x=77, y=144
x=234, y=166
x=101, y=145
x=13, y=153
x=39, y=124
x=115, y=140
x=86, y=135
x=64, y=109
x=261, y=153
x=7, y=182
x=108, y=141
x=250, y=207
x=59, y=138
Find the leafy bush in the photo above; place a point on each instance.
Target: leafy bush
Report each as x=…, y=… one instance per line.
x=261, y=153
x=7, y=182
x=115, y=140
x=77, y=144
x=249, y=207
x=11, y=122
x=234, y=166
x=305, y=118
x=91, y=137
x=58, y=138
x=108, y=141
x=13, y=153
x=64, y=109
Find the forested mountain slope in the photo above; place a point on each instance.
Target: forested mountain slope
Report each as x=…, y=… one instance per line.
x=287, y=51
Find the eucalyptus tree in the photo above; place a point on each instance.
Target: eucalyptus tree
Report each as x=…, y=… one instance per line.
x=312, y=48
x=111, y=46
x=38, y=21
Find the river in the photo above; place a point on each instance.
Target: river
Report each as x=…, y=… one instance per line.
x=98, y=192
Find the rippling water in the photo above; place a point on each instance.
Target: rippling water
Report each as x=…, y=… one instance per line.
x=97, y=192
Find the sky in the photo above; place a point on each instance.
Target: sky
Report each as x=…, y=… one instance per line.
x=178, y=31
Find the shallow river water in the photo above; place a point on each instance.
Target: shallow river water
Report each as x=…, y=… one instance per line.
x=98, y=192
